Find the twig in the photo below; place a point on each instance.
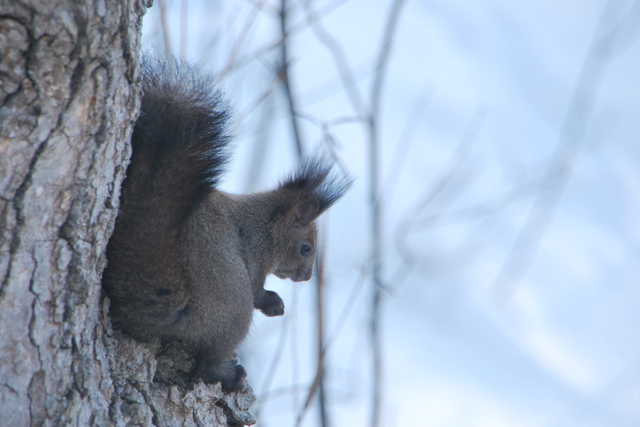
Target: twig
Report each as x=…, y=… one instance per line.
x=429, y=196
x=208, y=50
x=255, y=11
x=262, y=140
x=274, y=366
x=318, y=382
x=406, y=138
x=346, y=310
x=283, y=74
x=334, y=85
x=376, y=221
x=330, y=141
x=253, y=105
x=280, y=392
x=269, y=9
x=340, y=59
x=347, y=120
x=295, y=29
x=165, y=30
x=295, y=365
x=320, y=260
x=474, y=212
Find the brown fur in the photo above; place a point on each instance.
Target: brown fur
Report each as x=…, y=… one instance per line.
x=186, y=261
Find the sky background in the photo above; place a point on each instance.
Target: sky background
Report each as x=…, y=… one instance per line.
x=473, y=151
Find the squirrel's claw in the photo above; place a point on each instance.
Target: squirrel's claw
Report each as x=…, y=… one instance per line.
x=270, y=304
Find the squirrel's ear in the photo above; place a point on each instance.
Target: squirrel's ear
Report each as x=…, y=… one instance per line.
x=311, y=190
x=316, y=188
x=305, y=211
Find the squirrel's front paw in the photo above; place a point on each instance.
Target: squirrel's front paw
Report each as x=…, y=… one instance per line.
x=270, y=304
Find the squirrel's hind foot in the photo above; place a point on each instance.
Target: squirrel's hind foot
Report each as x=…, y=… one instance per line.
x=229, y=373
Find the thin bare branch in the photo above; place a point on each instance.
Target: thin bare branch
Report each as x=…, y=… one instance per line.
x=347, y=120
x=331, y=143
x=280, y=392
x=266, y=48
x=208, y=50
x=262, y=141
x=283, y=73
x=295, y=362
x=346, y=310
x=326, y=9
x=260, y=403
x=333, y=85
x=265, y=8
x=475, y=212
x=406, y=138
x=320, y=261
x=325, y=126
x=429, y=196
x=376, y=220
x=257, y=101
x=318, y=383
x=340, y=59
x=559, y=168
x=165, y=28
x=311, y=395
x=237, y=45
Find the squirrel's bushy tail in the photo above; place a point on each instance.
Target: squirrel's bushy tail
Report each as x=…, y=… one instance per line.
x=178, y=152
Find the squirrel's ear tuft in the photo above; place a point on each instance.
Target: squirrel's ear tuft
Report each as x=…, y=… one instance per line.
x=314, y=189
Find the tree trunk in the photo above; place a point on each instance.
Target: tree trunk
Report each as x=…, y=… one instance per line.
x=69, y=96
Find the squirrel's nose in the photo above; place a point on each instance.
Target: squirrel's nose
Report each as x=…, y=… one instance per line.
x=308, y=275
x=302, y=275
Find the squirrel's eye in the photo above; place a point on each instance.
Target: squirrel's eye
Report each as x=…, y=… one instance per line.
x=304, y=250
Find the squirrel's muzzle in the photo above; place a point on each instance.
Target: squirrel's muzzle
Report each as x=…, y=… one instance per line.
x=302, y=275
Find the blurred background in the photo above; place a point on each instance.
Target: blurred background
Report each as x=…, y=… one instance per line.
x=483, y=270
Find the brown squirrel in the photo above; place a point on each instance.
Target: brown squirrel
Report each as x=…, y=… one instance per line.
x=187, y=261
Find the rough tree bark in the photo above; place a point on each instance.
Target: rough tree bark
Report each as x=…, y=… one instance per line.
x=69, y=95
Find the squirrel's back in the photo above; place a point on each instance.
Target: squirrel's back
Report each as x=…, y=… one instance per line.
x=178, y=154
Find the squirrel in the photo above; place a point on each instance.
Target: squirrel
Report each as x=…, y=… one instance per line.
x=186, y=261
